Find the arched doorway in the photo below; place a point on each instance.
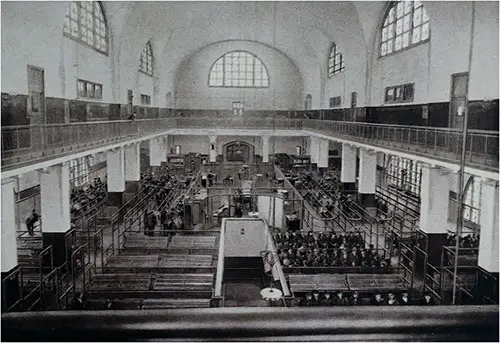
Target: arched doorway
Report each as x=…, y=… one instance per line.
x=238, y=152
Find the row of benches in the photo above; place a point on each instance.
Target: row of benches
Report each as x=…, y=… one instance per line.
x=147, y=304
x=160, y=261
x=140, y=242
x=346, y=282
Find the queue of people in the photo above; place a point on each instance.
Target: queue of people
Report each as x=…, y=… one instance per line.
x=340, y=298
x=84, y=198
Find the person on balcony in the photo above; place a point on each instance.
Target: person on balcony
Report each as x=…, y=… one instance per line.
x=31, y=220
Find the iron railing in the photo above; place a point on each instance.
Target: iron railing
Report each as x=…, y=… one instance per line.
x=30, y=143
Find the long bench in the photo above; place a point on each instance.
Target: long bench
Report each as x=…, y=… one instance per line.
x=183, y=282
x=166, y=263
x=320, y=282
x=154, y=304
x=140, y=282
x=375, y=282
x=346, y=282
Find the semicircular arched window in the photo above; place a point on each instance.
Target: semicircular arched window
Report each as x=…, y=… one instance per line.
x=238, y=69
x=85, y=22
x=406, y=24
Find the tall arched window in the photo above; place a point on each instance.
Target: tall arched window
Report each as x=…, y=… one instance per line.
x=335, y=61
x=238, y=69
x=85, y=22
x=406, y=23
x=146, y=61
x=472, y=201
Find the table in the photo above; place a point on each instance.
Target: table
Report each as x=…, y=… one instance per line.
x=271, y=294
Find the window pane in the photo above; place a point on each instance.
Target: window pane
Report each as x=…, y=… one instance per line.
x=416, y=35
x=82, y=89
x=408, y=6
x=98, y=91
x=408, y=92
x=406, y=23
x=406, y=39
x=417, y=18
x=399, y=11
x=90, y=90
x=384, y=49
x=399, y=26
x=389, y=48
x=398, y=43
x=425, y=31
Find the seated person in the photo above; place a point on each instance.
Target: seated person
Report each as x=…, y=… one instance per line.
x=391, y=299
x=427, y=300
x=327, y=300
x=405, y=300
x=354, y=299
x=377, y=300
x=340, y=300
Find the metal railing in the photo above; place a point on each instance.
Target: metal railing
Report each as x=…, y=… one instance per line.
x=445, y=143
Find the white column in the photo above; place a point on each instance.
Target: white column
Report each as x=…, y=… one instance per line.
x=155, y=152
x=164, y=148
x=212, y=148
x=116, y=170
x=367, y=171
x=265, y=149
x=132, y=162
x=435, y=196
x=314, y=149
x=348, y=169
x=323, y=153
x=55, y=198
x=488, y=239
x=9, y=244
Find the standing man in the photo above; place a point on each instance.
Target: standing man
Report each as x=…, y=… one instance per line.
x=31, y=220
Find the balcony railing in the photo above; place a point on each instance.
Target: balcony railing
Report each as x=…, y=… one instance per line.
x=444, y=143
x=27, y=144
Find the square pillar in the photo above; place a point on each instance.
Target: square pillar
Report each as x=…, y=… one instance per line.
x=164, y=148
x=434, y=209
x=265, y=149
x=314, y=149
x=323, y=148
x=348, y=168
x=132, y=168
x=9, y=227
x=155, y=152
x=212, y=148
x=116, y=176
x=10, y=288
x=56, y=216
x=488, y=239
x=367, y=177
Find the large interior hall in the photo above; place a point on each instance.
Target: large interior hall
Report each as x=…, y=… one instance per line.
x=249, y=170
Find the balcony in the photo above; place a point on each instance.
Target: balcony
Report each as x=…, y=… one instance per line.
x=24, y=145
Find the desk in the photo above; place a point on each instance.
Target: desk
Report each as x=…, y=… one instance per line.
x=260, y=177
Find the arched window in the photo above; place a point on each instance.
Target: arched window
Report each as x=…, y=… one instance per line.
x=335, y=61
x=85, y=22
x=472, y=201
x=238, y=69
x=146, y=62
x=406, y=23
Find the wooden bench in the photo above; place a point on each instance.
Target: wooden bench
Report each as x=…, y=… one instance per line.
x=192, y=242
x=185, y=261
x=135, y=242
x=154, y=304
x=134, y=261
x=375, y=282
x=320, y=282
x=121, y=282
x=183, y=282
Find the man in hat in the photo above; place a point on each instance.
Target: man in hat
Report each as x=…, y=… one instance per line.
x=405, y=300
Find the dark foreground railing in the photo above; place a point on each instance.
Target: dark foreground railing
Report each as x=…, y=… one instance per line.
x=432, y=323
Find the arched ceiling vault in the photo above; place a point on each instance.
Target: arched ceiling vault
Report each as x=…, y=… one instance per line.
x=302, y=31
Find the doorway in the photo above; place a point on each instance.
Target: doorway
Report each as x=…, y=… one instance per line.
x=36, y=95
x=238, y=152
x=459, y=87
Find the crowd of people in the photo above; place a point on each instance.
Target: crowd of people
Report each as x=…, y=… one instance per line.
x=84, y=198
x=340, y=298
x=464, y=241
x=326, y=249
x=169, y=217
